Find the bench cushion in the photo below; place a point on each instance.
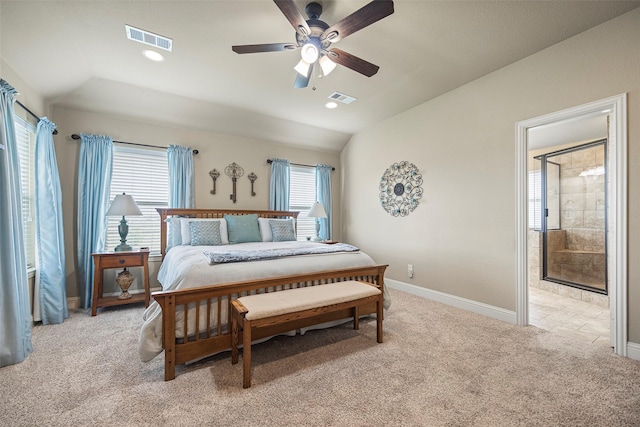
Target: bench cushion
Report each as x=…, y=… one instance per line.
x=292, y=300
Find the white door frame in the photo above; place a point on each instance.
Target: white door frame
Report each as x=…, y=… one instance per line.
x=617, y=211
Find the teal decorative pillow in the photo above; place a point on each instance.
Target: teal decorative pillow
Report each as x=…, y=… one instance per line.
x=205, y=233
x=282, y=231
x=243, y=228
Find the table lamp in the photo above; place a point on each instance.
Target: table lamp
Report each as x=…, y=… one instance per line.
x=123, y=205
x=317, y=211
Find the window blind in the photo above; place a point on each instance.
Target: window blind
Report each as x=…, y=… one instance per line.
x=25, y=138
x=142, y=173
x=302, y=195
x=535, y=200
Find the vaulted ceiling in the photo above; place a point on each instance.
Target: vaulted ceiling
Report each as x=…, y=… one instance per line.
x=76, y=54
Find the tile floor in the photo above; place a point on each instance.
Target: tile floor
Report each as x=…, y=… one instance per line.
x=569, y=317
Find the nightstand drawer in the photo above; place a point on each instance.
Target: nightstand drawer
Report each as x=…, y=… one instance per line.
x=116, y=261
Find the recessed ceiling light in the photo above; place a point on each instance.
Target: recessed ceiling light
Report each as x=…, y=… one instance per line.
x=153, y=55
x=331, y=105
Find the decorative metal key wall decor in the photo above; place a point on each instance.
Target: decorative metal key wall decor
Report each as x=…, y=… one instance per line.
x=400, y=189
x=234, y=171
x=252, y=177
x=214, y=174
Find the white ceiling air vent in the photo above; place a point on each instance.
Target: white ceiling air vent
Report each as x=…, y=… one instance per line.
x=341, y=97
x=151, y=39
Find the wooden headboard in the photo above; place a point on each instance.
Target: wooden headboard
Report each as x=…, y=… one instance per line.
x=210, y=213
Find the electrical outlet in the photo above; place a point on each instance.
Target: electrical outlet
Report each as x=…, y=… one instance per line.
x=410, y=270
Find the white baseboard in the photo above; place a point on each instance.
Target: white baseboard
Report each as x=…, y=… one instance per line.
x=73, y=302
x=455, y=301
x=633, y=350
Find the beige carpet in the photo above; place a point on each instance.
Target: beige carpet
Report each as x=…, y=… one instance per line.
x=438, y=366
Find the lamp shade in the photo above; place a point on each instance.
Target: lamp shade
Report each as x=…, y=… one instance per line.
x=317, y=211
x=123, y=205
x=327, y=65
x=303, y=68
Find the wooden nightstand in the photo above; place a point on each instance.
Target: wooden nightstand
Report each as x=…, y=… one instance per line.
x=105, y=260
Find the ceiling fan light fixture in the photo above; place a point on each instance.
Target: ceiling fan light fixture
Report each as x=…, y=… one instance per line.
x=303, y=68
x=310, y=52
x=313, y=37
x=327, y=65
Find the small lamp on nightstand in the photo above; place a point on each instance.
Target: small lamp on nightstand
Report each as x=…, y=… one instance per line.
x=317, y=211
x=122, y=205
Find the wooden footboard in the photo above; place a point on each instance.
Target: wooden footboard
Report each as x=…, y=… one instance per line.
x=206, y=311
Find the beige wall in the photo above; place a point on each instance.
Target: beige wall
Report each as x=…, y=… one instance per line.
x=27, y=96
x=461, y=239
x=216, y=151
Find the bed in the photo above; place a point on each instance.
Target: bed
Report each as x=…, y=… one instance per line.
x=191, y=317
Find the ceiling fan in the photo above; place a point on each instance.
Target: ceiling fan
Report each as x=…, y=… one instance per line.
x=315, y=37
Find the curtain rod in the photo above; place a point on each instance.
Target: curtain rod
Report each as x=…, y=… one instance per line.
x=55, y=131
x=299, y=164
x=76, y=136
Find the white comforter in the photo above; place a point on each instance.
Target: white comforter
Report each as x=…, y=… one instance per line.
x=186, y=266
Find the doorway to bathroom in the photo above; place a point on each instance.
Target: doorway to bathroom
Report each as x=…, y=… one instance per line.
x=568, y=208
x=614, y=109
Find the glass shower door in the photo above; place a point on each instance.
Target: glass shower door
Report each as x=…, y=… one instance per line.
x=574, y=216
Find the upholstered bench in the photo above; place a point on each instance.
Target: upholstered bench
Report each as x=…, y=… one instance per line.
x=277, y=310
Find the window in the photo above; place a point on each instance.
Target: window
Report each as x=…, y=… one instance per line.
x=302, y=195
x=142, y=173
x=26, y=141
x=535, y=200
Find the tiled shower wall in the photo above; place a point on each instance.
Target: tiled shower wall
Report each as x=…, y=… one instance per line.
x=582, y=203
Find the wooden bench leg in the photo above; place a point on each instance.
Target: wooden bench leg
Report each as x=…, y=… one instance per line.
x=234, y=338
x=379, y=310
x=246, y=354
x=356, y=318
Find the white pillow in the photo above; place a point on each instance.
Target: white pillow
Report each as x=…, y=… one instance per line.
x=265, y=228
x=174, y=232
x=186, y=232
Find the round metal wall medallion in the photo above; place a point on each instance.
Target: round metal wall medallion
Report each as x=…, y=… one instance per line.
x=401, y=189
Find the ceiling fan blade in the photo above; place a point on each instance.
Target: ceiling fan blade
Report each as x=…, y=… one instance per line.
x=270, y=47
x=291, y=12
x=348, y=60
x=302, y=81
x=372, y=12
